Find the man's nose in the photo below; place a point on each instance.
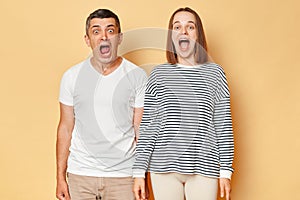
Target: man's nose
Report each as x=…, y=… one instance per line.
x=104, y=35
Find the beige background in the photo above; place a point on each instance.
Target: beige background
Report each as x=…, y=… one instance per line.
x=255, y=41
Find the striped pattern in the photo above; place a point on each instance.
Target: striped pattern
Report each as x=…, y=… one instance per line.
x=186, y=126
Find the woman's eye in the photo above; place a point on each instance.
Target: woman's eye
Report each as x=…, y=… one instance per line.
x=176, y=28
x=191, y=27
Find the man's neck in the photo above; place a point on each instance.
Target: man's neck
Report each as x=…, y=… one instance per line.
x=106, y=68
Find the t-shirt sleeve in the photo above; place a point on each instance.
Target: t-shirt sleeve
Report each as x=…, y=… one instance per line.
x=140, y=89
x=66, y=89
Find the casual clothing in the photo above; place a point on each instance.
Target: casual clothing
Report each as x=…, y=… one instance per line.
x=169, y=186
x=103, y=138
x=186, y=126
x=87, y=188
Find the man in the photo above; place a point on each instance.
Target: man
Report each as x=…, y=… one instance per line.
x=101, y=106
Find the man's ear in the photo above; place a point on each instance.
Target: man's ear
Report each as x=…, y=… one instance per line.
x=120, y=35
x=87, y=40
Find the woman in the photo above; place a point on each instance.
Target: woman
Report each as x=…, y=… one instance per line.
x=186, y=139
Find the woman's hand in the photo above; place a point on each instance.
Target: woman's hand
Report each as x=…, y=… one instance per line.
x=139, y=189
x=225, y=188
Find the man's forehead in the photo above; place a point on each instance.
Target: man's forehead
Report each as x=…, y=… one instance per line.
x=103, y=22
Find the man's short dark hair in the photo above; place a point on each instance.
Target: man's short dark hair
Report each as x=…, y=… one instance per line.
x=102, y=13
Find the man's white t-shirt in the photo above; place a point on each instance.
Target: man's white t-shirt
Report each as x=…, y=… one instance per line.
x=103, y=138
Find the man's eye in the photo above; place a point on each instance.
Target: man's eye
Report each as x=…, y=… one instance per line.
x=110, y=30
x=96, y=32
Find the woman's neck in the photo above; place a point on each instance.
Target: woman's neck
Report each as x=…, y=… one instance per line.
x=187, y=61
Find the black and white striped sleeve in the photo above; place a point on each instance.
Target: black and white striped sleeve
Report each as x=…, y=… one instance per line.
x=223, y=126
x=148, y=129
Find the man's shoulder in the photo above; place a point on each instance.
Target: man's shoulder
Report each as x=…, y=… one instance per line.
x=130, y=66
x=75, y=69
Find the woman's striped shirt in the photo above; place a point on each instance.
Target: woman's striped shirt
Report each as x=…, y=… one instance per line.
x=186, y=126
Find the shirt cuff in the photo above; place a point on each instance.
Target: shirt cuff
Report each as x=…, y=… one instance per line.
x=225, y=174
x=137, y=173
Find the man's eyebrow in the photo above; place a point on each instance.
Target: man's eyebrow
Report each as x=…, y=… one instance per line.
x=97, y=26
x=110, y=25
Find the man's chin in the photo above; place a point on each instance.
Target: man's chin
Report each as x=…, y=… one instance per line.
x=106, y=60
x=104, y=57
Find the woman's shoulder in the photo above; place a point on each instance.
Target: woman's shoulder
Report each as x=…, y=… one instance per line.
x=213, y=68
x=162, y=68
x=213, y=65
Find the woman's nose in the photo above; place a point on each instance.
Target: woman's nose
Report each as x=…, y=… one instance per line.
x=184, y=31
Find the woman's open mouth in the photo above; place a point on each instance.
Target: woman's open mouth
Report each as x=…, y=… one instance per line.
x=184, y=44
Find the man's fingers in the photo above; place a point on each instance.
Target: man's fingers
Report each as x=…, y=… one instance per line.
x=61, y=197
x=64, y=197
x=67, y=197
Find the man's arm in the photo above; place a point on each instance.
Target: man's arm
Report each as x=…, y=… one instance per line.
x=137, y=118
x=139, y=187
x=63, y=142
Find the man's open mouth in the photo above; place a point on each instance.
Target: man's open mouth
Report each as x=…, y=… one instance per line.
x=104, y=49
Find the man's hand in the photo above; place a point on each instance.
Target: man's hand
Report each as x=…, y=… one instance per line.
x=225, y=188
x=62, y=191
x=139, y=189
